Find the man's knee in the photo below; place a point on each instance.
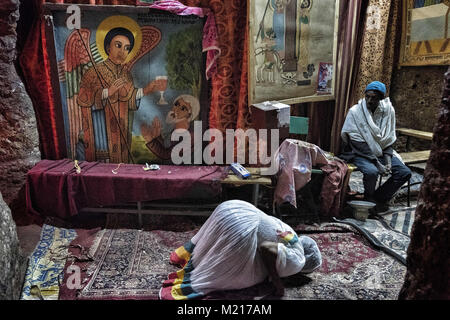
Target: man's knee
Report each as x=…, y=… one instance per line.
x=403, y=172
x=370, y=173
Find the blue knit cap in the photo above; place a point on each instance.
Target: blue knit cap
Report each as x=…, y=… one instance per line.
x=378, y=86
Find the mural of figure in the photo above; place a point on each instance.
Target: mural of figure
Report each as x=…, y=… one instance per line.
x=278, y=7
x=267, y=59
x=303, y=35
x=185, y=109
x=109, y=86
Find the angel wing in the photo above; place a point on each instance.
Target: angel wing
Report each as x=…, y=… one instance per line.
x=151, y=36
x=78, y=57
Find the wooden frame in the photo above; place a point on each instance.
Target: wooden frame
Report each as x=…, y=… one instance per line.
x=421, y=46
x=149, y=61
x=292, y=75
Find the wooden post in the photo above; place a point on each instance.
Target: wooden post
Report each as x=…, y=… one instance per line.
x=290, y=26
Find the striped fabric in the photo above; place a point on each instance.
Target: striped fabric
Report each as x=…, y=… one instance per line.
x=178, y=284
x=288, y=237
x=401, y=219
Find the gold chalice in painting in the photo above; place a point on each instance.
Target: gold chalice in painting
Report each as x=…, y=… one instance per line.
x=162, y=101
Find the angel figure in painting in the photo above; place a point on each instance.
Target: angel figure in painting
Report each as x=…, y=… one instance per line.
x=101, y=112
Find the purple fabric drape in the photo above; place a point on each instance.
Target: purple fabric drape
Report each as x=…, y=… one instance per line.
x=53, y=187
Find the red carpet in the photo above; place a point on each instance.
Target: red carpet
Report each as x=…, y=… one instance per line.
x=132, y=264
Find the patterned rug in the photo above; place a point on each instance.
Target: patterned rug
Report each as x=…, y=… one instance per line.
x=46, y=264
x=400, y=219
x=132, y=264
x=128, y=263
x=381, y=235
x=351, y=270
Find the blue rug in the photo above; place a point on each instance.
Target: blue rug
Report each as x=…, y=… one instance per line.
x=46, y=263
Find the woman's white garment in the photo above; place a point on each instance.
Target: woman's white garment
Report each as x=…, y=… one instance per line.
x=378, y=131
x=226, y=252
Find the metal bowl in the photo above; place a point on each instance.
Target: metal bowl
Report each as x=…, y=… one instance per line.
x=361, y=204
x=361, y=209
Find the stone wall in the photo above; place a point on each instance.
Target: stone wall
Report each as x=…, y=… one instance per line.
x=19, y=151
x=19, y=140
x=12, y=262
x=428, y=260
x=416, y=94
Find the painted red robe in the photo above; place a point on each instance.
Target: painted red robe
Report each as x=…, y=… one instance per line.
x=117, y=110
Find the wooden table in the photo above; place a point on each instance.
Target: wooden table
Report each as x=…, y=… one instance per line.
x=256, y=179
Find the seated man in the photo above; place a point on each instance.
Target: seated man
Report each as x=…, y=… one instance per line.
x=368, y=135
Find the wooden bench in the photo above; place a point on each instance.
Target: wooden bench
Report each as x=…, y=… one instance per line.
x=414, y=159
x=415, y=156
x=424, y=135
x=256, y=179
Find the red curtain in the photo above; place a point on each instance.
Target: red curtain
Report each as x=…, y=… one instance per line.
x=228, y=107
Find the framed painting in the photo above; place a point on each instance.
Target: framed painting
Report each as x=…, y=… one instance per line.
x=425, y=35
x=292, y=54
x=127, y=78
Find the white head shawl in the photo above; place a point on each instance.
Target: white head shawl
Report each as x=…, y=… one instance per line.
x=359, y=126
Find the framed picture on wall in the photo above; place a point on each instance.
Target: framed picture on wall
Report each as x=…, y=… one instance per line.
x=124, y=81
x=292, y=50
x=425, y=36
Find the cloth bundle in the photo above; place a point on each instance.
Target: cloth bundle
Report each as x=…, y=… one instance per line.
x=224, y=254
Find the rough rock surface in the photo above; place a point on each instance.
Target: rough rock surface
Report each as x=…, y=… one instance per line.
x=12, y=262
x=19, y=140
x=19, y=151
x=416, y=93
x=428, y=258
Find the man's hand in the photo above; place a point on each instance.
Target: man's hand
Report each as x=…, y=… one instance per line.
x=269, y=252
x=116, y=86
x=152, y=132
x=155, y=85
x=382, y=169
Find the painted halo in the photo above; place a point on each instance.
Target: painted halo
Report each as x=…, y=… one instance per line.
x=115, y=22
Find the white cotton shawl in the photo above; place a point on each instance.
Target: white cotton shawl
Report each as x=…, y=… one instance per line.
x=226, y=254
x=359, y=126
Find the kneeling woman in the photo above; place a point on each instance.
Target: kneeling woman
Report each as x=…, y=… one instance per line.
x=236, y=248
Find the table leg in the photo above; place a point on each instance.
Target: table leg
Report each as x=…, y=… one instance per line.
x=255, y=194
x=139, y=207
x=409, y=192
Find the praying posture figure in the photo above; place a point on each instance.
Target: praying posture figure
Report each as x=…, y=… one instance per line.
x=368, y=135
x=239, y=246
x=185, y=109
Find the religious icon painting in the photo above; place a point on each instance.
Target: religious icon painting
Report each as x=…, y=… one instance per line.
x=127, y=78
x=288, y=41
x=425, y=33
